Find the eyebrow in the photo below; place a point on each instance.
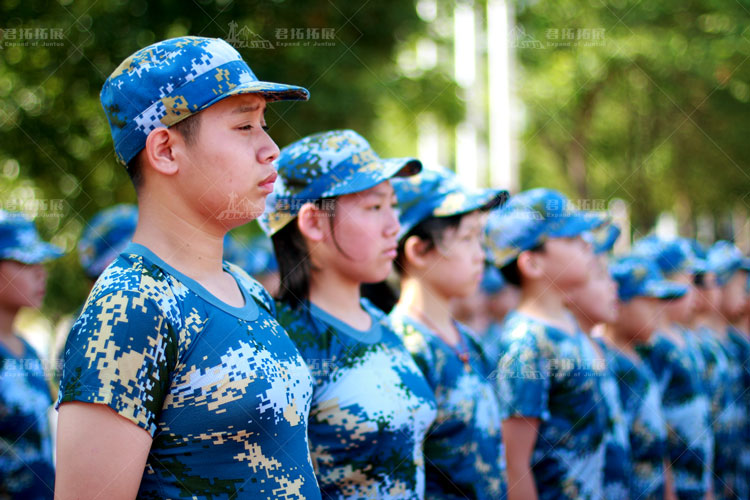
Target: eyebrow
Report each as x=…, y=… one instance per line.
x=248, y=108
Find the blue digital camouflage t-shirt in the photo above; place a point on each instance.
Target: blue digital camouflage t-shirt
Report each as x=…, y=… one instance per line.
x=464, y=451
x=371, y=406
x=742, y=352
x=617, y=459
x=222, y=390
x=554, y=376
x=647, y=430
x=686, y=410
x=26, y=468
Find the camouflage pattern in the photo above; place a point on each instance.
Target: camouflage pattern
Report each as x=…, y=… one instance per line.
x=724, y=259
x=222, y=390
x=672, y=256
x=20, y=241
x=641, y=277
x=742, y=359
x=687, y=411
x=437, y=192
x=647, y=430
x=531, y=217
x=603, y=238
x=555, y=376
x=326, y=165
x=371, y=405
x=106, y=235
x=464, y=452
x=723, y=381
x=618, y=465
x=168, y=81
x=26, y=467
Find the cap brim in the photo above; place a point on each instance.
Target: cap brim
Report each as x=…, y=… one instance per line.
x=664, y=290
x=384, y=169
x=578, y=223
x=271, y=91
x=41, y=252
x=605, y=244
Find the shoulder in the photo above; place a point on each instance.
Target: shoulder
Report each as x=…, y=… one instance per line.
x=132, y=278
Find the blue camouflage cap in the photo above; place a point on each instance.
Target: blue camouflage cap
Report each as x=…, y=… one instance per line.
x=20, y=241
x=105, y=237
x=603, y=238
x=530, y=218
x=672, y=256
x=255, y=256
x=325, y=165
x=437, y=192
x=171, y=80
x=639, y=276
x=492, y=281
x=725, y=259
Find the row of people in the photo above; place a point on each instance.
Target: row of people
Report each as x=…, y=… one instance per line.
x=182, y=376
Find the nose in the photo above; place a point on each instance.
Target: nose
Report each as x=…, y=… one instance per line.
x=267, y=150
x=392, y=225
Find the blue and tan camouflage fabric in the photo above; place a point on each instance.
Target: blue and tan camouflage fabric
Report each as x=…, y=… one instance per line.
x=531, y=217
x=742, y=351
x=325, y=165
x=618, y=463
x=464, y=452
x=168, y=81
x=26, y=467
x=438, y=192
x=20, y=241
x=647, y=430
x=723, y=379
x=106, y=235
x=371, y=406
x=554, y=376
x=687, y=411
x=222, y=390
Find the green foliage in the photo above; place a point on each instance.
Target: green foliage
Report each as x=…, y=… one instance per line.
x=657, y=112
x=56, y=143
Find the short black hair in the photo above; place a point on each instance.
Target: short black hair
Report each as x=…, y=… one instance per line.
x=431, y=230
x=188, y=129
x=294, y=262
x=510, y=271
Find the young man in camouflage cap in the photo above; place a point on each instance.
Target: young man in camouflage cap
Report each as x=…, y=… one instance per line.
x=177, y=380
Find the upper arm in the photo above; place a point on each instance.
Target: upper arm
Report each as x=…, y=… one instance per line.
x=519, y=435
x=523, y=380
x=99, y=453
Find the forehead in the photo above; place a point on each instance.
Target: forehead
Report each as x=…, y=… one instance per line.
x=238, y=105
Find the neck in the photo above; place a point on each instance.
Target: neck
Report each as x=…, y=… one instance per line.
x=543, y=301
x=338, y=296
x=421, y=302
x=192, y=247
x=711, y=321
x=7, y=317
x=622, y=341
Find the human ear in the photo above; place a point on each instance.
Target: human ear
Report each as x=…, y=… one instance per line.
x=159, y=151
x=415, y=251
x=529, y=265
x=310, y=223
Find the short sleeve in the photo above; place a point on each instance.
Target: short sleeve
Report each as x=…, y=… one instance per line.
x=121, y=352
x=523, y=380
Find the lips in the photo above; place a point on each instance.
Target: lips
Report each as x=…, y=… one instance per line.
x=267, y=183
x=391, y=252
